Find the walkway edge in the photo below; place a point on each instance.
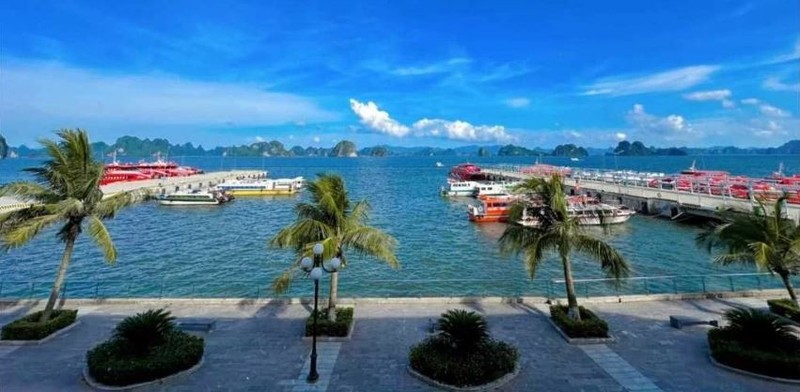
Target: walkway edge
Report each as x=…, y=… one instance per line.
x=102, y=387
x=479, y=388
x=751, y=374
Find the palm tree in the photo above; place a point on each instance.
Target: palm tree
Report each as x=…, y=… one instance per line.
x=556, y=231
x=767, y=240
x=331, y=219
x=66, y=191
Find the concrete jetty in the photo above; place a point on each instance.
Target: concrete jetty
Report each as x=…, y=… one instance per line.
x=671, y=203
x=161, y=186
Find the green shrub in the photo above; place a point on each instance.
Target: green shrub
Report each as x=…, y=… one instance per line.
x=590, y=325
x=340, y=327
x=463, y=329
x=487, y=361
x=111, y=362
x=759, y=329
x=785, y=307
x=142, y=331
x=726, y=349
x=29, y=327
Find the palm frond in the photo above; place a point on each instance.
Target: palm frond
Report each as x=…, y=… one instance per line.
x=372, y=242
x=611, y=261
x=301, y=233
x=100, y=235
x=26, y=191
x=109, y=207
x=24, y=231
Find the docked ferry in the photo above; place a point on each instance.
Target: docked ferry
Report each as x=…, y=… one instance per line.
x=194, y=198
x=460, y=188
x=492, y=209
x=264, y=187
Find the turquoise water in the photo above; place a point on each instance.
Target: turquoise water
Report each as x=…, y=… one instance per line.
x=222, y=251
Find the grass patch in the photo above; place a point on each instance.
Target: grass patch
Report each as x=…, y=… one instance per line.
x=727, y=349
x=29, y=327
x=112, y=363
x=488, y=361
x=590, y=326
x=786, y=308
x=338, y=328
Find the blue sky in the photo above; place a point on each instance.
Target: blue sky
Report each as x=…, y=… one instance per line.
x=438, y=73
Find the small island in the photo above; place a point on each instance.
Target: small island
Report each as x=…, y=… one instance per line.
x=570, y=150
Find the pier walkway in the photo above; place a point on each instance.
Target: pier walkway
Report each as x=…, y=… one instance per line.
x=647, y=199
x=159, y=186
x=257, y=346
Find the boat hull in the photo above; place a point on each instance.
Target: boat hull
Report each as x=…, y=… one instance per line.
x=166, y=202
x=260, y=192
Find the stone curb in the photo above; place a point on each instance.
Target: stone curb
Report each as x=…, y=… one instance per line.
x=102, y=387
x=579, y=341
x=478, y=388
x=40, y=341
x=751, y=374
x=400, y=300
x=333, y=339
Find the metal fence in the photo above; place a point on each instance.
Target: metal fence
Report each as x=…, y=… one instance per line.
x=549, y=288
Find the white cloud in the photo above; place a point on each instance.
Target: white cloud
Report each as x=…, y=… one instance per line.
x=316, y=139
x=786, y=57
x=620, y=136
x=772, y=111
x=750, y=101
x=434, y=68
x=259, y=139
x=672, y=127
x=722, y=96
x=712, y=95
x=377, y=120
x=518, y=102
x=51, y=95
x=672, y=80
x=776, y=84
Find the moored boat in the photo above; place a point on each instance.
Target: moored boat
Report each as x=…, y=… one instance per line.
x=491, y=209
x=265, y=187
x=494, y=188
x=459, y=188
x=194, y=198
x=589, y=212
x=465, y=172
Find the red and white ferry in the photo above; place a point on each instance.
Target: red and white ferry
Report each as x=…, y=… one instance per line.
x=125, y=172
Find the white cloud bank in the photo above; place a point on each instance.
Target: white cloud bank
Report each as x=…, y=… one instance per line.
x=672, y=80
x=776, y=84
x=713, y=95
x=379, y=121
x=39, y=97
x=518, y=102
x=672, y=127
x=765, y=108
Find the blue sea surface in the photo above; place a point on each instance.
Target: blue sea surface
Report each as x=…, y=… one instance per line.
x=223, y=252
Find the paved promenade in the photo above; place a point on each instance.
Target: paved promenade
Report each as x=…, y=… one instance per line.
x=258, y=348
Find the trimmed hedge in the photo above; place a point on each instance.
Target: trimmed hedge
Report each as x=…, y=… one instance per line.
x=727, y=351
x=785, y=307
x=590, y=325
x=29, y=327
x=110, y=362
x=490, y=360
x=338, y=328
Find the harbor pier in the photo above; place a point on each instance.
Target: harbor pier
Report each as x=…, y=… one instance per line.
x=160, y=186
x=672, y=203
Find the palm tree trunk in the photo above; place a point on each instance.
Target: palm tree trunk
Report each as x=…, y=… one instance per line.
x=572, y=300
x=60, y=277
x=332, y=296
x=788, y=283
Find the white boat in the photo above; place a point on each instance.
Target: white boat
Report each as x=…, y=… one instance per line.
x=574, y=159
x=194, y=198
x=439, y=164
x=495, y=188
x=263, y=187
x=460, y=188
x=298, y=182
x=590, y=213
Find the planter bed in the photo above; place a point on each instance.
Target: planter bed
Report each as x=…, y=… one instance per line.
x=783, y=365
x=590, y=330
x=28, y=331
x=785, y=308
x=337, y=331
x=492, y=364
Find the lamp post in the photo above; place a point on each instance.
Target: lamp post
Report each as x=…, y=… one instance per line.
x=315, y=268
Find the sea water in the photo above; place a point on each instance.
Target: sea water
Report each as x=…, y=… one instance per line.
x=223, y=251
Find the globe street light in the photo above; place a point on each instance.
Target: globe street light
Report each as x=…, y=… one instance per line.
x=315, y=269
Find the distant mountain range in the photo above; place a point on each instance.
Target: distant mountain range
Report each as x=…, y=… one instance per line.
x=134, y=147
